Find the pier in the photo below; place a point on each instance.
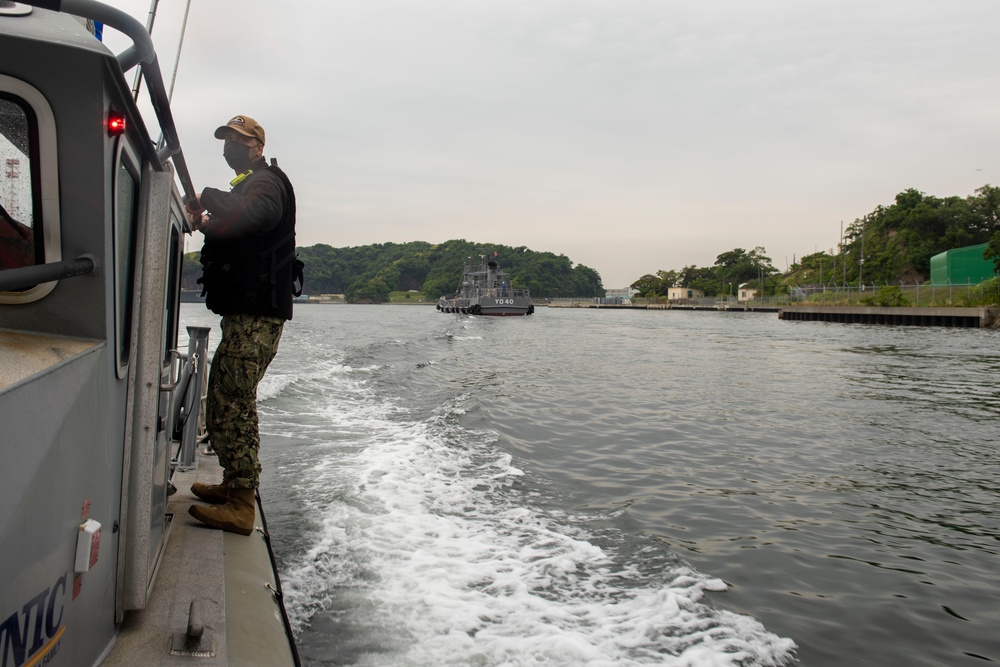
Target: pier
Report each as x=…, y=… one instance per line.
x=977, y=317
x=923, y=317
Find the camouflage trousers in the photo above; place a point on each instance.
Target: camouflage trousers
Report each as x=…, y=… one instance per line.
x=248, y=345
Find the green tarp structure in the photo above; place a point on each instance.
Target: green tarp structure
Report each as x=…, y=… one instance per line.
x=961, y=266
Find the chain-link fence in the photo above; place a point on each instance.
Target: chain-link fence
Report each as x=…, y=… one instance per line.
x=898, y=294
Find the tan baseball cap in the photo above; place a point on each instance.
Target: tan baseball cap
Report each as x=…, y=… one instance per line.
x=245, y=125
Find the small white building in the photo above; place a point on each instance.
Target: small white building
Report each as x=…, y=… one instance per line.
x=683, y=293
x=747, y=293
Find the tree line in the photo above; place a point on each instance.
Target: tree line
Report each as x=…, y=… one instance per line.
x=367, y=274
x=892, y=244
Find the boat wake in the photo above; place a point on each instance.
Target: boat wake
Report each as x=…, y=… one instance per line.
x=428, y=546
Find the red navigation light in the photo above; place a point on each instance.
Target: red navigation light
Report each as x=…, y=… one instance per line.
x=116, y=124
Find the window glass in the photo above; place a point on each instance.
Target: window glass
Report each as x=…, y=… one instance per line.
x=126, y=221
x=18, y=143
x=174, y=259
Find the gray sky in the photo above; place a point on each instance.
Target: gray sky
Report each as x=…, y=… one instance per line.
x=628, y=135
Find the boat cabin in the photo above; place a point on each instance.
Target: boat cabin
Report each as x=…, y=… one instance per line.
x=91, y=238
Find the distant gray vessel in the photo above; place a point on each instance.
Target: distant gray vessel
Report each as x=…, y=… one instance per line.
x=486, y=291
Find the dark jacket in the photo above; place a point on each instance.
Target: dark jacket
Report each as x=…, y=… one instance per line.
x=249, y=250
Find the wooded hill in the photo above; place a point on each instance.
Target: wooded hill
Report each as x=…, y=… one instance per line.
x=896, y=242
x=367, y=274
x=899, y=240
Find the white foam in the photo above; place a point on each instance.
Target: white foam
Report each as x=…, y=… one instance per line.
x=273, y=384
x=427, y=541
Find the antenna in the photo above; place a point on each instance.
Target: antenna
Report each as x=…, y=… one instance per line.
x=177, y=63
x=149, y=29
x=180, y=43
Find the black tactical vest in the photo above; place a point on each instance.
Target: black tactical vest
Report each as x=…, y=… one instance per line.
x=254, y=275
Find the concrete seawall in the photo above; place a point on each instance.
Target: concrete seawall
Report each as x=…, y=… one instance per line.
x=925, y=317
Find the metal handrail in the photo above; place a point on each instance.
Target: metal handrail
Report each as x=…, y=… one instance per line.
x=143, y=54
x=25, y=277
x=186, y=403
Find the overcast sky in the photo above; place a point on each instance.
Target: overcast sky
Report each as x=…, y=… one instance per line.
x=629, y=135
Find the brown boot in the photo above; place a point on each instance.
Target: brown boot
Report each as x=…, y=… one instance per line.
x=236, y=516
x=216, y=494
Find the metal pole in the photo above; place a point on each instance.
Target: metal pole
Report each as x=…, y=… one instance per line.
x=197, y=358
x=842, y=255
x=180, y=44
x=177, y=64
x=861, y=262
x=149, y=29
x=833, y=274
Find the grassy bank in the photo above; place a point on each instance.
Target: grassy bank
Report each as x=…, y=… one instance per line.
x=410, y=298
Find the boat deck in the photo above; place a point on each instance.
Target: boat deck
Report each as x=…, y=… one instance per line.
x=228, y=575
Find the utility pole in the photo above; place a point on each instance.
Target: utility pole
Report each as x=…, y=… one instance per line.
x=861, y=262
x=843, y=255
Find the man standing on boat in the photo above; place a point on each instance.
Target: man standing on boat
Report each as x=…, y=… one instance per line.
x=248, y=276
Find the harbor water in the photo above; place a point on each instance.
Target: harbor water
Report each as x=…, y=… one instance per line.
x=607, y=487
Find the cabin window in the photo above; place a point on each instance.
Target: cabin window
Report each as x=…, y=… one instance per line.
x=174, y=265
x=29, y=185
x=126, y=226
x=19, y=189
